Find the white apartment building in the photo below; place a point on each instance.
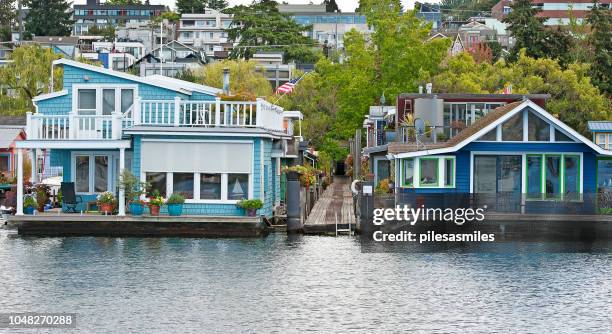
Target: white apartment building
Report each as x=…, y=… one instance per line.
x=205, y=31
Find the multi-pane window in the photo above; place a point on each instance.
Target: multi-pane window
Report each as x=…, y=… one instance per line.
x=428, y=172
x=200, y=186
x=553, y=175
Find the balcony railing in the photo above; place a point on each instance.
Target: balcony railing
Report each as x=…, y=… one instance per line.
x=167, y=113
x=407, y=135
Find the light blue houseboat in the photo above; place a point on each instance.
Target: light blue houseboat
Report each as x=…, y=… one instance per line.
x=177, y=135
x=518, y=157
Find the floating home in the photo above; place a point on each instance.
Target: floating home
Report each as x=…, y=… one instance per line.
x=179, y=136
x=517, y=157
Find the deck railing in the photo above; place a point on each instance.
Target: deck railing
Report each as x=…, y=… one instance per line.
x=167, y=113
x=73, y=127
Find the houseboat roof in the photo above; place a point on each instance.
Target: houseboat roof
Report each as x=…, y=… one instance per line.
x=600, y=126
x=483, y=126
x=177, y=85
x=8, y=136
x=13, y=121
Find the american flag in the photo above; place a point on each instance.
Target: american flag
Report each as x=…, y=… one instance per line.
x=288, y=87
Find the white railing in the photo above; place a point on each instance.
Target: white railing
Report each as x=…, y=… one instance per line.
x=73, y=127
x=176, y=113
x=217, y=113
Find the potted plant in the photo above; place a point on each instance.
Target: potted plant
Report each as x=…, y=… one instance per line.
x=250, y=206
x=155, y=203
x=106, y=201
x=175, y=204
x=42, y=196
x=29, y=204
x=133, y=188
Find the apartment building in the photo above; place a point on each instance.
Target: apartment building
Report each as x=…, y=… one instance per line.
x=557, y=12
x=96, y=13
x=205, y=31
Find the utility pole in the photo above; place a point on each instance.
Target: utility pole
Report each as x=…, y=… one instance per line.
x=161, y=48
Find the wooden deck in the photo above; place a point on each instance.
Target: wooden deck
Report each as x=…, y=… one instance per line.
x=336, y=203
x=52, y=224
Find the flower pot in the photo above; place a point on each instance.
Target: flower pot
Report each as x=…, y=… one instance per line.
x=28, y=210
x=136, y=209
x=175, y=209
x=106, y=208
x=251, y=212
x=154, y=209
x=41, y=207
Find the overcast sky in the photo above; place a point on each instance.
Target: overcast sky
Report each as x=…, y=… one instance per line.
x=345, y=5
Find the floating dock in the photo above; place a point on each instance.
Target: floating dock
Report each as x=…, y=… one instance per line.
x=49, y=225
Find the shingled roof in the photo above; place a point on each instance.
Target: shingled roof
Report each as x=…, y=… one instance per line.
x=466, y=133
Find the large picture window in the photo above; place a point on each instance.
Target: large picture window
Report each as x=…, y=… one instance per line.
x=210, y=186
x=157, y=182
x=237, y=186
x=552, y=176
x=183, y=184
x=103, y=99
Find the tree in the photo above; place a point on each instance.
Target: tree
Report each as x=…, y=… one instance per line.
x=601, y=44
x=245, y=78
x=574, y=100
x=262, y=27
x=107, y=31
x=7, y=13
x=216, y=4
x=48, y=18
x=530, y=34
x=190, y=6
x=395, y=58
x=481, y=52
x=29, y=75
x=172, y=17
x=331, y=6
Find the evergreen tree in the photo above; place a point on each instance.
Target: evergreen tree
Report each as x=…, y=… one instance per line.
x=527, y=29
x=530, y=33
x=331, y=6
x=263, y=27
x=190, y=6
x=601, y=44
x=216, y=4
x=48, y=18
x=7, y=15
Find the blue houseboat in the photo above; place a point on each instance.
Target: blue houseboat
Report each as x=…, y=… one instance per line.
x=518, y=154
x=176, y=135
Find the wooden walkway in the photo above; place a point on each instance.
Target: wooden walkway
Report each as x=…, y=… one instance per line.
x=335, y=203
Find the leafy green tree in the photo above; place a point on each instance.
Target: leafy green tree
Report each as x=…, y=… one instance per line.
x=48, y=18
x=246, y=79
x=107, y=31
x=331, y=6
x=7, y=13
x=172, y=17
x=574, y=100
x=29, y=75
x=395, y=58
x=601, y=45
x=262, y=27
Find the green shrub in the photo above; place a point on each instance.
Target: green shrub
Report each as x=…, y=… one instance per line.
x=176, y=198
x=250, y=204
x=29, y=201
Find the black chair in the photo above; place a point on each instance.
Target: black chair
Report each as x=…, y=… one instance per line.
x=69, y=198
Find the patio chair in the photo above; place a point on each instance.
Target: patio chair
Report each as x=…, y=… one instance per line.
x=69, y=198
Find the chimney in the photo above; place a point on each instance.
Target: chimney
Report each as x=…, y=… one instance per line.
x=226, y=81
x=429, y=87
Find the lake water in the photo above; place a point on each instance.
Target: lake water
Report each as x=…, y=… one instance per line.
x=285, y=285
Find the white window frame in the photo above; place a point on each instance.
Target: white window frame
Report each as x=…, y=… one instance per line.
x=552, y=128
x=111, y=156
x=99, y=97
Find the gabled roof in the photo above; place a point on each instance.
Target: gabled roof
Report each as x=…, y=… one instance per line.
x=167, y=45
x=177, y=85
x=49, y=95
x=600, y=126
x=483, y=126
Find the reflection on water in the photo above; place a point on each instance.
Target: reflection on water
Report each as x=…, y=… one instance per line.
x=303, y=283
